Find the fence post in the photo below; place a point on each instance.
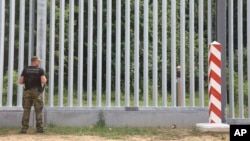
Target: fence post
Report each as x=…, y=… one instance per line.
x=2, y=21
x=221, y=33
x=214, y=85
x=11, y=53
x=31, y=29
x=41, y=33
x=215, y=90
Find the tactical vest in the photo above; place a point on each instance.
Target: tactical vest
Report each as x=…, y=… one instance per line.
x=32, y=78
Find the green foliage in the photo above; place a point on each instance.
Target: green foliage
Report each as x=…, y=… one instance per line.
x=236, y=90
x=236, y=77
x=5, y=87
x=101, y=121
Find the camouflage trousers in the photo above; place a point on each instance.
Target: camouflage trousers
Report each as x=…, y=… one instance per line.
x=32, y=97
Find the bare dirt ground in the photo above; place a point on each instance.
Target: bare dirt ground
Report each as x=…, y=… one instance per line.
x=55, y=137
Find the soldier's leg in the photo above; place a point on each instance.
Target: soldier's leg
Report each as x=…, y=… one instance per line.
x=27, y=103
x=38, y=104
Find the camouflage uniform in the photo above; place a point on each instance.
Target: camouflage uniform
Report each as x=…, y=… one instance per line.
x=32, y=96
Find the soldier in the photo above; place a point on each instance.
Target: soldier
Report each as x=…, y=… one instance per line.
x=34, y=79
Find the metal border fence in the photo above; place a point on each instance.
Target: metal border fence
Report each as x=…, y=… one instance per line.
x=111, y=20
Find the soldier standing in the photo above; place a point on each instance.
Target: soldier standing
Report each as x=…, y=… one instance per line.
x=34, y=79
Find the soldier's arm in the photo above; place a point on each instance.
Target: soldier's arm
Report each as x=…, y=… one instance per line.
x=21, y=80
x=43, y=79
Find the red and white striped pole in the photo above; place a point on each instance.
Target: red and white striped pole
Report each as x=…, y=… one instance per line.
x=214, y=85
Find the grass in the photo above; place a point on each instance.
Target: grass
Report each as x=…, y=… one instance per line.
x=119, y=132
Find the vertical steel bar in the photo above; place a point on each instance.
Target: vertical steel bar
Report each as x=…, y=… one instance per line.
x=221, y=8
x=145, y=55
x=108, y=67
x=248, y=54
x=80, y=53
x=191, y=53
x=209, y=21
x=2, y=23
x=44, y=52
x=31, y=29
x=136, y=53
x=240, y=59
x=127, y=53
x=61, y=54
x=118, y=53
x=21, y=50
x=90, y=52
x=41, y=31
x=183, y=55
x=99, y=54
x=71, y=54
x=201, y=58
x=11, y=53
x=52, y=53
x=231, y=57
x=164, y=53
x=173, y=52
x=155, y=52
